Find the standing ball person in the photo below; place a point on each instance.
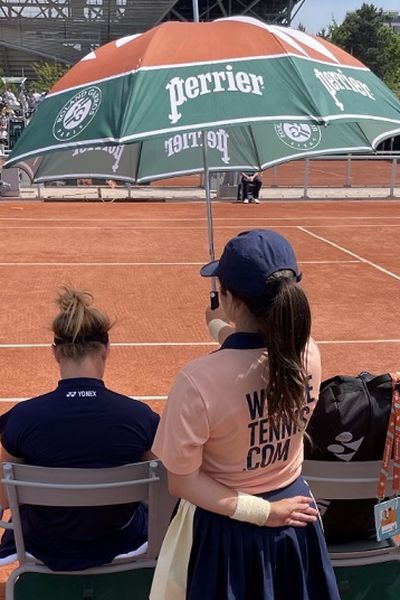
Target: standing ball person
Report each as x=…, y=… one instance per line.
x=231, y=438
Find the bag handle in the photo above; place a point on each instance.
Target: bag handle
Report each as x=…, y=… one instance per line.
x=379, y=380
x=392, y=443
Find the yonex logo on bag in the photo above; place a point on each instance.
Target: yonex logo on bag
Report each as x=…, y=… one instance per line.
x=77, y=113
x=217, y=140
x=181, y=90
x=336, y=81
x=301, y=136
x=346, y=447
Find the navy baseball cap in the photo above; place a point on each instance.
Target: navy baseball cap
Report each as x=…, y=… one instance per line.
x=249, y=259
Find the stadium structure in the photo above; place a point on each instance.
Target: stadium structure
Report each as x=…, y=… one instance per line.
x=63, y=31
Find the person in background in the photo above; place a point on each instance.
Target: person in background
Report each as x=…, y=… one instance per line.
x=253, y=178
x=79, y=424
x=231, y=438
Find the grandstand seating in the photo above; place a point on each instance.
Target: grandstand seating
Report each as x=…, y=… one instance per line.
x=48, y=30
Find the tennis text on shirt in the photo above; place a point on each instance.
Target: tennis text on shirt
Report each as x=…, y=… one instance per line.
x=269, y=439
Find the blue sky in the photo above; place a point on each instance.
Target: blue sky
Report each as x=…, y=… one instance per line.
x=316, y=14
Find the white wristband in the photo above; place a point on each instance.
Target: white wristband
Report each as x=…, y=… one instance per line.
x=215, y=326
x=251, y=509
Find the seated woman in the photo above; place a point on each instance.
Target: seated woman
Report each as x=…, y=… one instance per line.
x=248, y=179
x=79, y=424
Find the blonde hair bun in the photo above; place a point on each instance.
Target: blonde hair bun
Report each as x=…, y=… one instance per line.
x=79, y=327
x=69, y=299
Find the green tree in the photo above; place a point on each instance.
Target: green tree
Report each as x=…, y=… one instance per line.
x=365, y=34
x=46, y=75
x=323, y=33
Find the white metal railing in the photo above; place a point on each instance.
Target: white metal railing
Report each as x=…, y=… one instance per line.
x=227, y=181
x=348, y=159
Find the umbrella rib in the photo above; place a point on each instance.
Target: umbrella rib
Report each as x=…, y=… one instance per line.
x=315, y=110
x=299, y=75
x=364, y=135
x=255, y=146
x=138, y=161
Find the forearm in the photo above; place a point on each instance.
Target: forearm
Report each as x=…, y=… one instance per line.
x=220, y=330
x=6, y=457
x=218, y=325
x=148, y=455
x=203, y=491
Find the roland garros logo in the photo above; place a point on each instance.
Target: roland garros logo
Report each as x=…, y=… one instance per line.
x=77, y=113
x=300, y=136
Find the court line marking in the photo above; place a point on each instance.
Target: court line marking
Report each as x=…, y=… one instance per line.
x=353, y=254
x=119, y=344
x=148, y=264
x=374, y=225
x=198, y=344
x=333, y=342
x=186, y=227
x=145, y=398
x=102, y=264
x=194, y=218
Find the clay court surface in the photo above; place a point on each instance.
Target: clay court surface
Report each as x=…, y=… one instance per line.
x=141, y=262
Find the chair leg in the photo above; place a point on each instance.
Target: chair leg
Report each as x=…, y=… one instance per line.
x=10, y=585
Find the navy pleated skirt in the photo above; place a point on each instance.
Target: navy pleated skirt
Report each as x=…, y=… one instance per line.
x=232, y=560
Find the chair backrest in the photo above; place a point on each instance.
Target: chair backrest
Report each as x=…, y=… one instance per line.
x=42, y=486
x=344, y=480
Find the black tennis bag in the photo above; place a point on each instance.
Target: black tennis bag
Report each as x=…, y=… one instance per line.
x=349, y=422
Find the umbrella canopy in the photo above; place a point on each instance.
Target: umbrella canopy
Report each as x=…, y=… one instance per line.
x=181, y=78
x=228, y=149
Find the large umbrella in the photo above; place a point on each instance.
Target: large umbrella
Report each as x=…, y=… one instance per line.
x=276, y=92
x=182, y=76
x=228, y=149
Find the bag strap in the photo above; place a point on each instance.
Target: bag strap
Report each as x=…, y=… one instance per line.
x=392, y=443
x=379, y=380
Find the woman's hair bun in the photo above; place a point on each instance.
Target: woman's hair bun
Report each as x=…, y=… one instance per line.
x=78, y=322
x=69, y=299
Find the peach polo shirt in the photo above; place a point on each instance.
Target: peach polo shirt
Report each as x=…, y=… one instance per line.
x=216, y=417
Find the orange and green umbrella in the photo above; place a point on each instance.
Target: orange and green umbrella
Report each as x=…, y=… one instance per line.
x=232, y=94
x=183, y=77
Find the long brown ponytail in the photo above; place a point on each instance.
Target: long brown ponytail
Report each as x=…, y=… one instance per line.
x=284, y=318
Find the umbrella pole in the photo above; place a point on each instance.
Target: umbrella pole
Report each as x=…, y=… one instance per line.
x=196, y=16
x=213, y=293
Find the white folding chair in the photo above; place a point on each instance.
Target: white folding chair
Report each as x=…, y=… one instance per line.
x=41, y=486
x=350, y=481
